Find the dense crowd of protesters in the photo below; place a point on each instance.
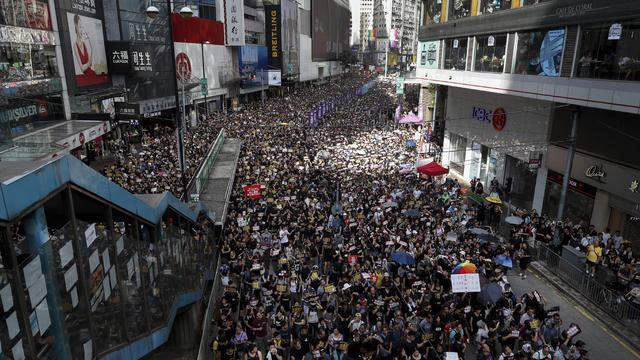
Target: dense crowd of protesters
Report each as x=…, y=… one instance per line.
x=147, y=163
x=344, y=255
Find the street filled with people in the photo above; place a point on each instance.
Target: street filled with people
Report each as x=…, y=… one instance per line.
x=336, y=248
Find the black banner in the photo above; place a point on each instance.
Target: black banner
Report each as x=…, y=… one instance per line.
x=273, y=30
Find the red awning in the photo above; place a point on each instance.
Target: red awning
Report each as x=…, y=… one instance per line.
x=432, y=169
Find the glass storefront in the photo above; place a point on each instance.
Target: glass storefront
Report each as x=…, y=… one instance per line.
x=539, y=52
x=455, y=54
x=610, y=51
x=20, y=62
x=523, y=182
x=458, y=149
x=580, y=198
x=490, y=53
x=459, y=9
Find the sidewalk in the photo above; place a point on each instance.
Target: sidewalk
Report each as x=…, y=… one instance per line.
x=606, y=326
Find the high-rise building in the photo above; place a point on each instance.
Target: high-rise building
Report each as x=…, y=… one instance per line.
x=389, y=25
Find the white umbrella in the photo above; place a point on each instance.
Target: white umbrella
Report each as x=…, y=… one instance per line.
x=513, y=220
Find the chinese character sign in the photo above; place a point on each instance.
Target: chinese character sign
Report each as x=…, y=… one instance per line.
x=465, y=283
x=234, y=22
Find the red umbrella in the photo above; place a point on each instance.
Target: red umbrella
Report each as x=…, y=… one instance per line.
x=432, y=169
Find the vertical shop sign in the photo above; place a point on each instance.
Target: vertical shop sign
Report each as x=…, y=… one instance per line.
x=234, y=22
x=272, y=36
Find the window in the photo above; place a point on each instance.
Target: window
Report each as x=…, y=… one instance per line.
x=433, y=12
x=490, y=52
x=20, y=62
x=491, y=6
x=459, y=9
x=610, y=51
x=455, y=56
x=539, y=52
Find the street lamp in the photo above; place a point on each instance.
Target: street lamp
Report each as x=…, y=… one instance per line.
x=152, y=12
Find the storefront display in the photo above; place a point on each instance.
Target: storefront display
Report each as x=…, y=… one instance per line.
x=490, y=53
x=539, y=52
x=580, y=198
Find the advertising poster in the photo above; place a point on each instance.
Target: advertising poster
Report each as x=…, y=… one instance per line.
x=89, y=56
x=253, y=63
x=32, y=14
x=82, y=29
x=290, y=38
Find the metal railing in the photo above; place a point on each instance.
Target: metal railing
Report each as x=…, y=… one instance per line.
x=198, y=183
x=204, y=350
x=608, y=300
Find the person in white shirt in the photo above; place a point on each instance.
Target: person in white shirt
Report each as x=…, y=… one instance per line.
x=284, y=236
x=606, y=236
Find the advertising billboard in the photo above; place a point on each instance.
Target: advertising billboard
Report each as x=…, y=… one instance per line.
x=290, y=38
x=273, y=29
x=428, y=54
x=330, y=30
x=82, y=33
x=253, y=63
x=32, y=14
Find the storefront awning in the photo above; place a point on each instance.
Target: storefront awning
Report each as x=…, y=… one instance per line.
x=55, y=140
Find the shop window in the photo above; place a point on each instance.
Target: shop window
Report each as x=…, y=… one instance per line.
x=490, y=53
x=491, y=6
x=433, y=12
x=458, y=149
x=540, y=52
x=523, y=182
x=19, y=62
x=459, y=9
x=455, y=56
x=610, y=51
x=25, y=13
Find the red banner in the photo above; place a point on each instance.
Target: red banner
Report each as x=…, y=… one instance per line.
x=197, y=30
x=252, y=191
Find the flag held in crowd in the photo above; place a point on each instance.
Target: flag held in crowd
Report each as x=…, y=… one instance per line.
x=252, y=191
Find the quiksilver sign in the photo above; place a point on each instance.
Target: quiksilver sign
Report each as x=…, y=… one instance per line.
x=23, y=112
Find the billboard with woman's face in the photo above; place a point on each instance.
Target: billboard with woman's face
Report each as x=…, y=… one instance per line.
x=82, y=33
x=87, y=45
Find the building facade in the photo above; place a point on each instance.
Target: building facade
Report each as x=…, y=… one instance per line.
x=513, y=76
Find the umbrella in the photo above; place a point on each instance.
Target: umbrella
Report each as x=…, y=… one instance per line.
x=412, y=213
x=433, y=169
x=475, y=197
x=465, y=268
x=478, y=231
x=403, y=258
x=513, y=220
x=404, y=171
x=504, y=261
x=389, y=204
x=490, y=294
x=493, y=200
x=488, y=238
x=410, y=119
x=411, y=143
x=452, y=236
